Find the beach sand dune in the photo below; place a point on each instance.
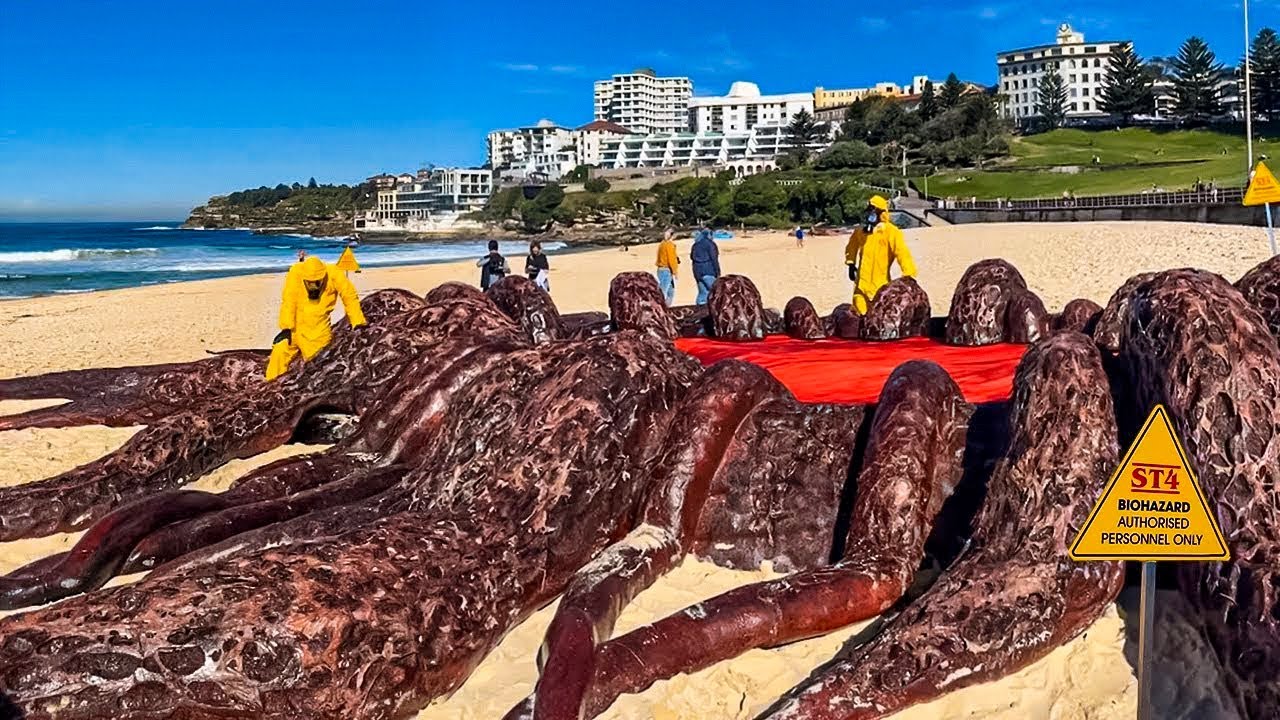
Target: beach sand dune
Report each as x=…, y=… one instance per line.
x=1090, y=678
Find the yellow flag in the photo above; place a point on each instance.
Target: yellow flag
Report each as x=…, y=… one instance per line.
x=1153, y=507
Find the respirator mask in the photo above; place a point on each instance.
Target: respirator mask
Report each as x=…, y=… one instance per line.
x=871, y=219
x=314, y=287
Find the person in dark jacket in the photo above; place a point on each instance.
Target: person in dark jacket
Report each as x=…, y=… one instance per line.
x=493, y=267
x=536, y=266
x=706, y=263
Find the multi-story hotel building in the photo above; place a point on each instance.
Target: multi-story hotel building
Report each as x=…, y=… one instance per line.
x=642, y=102
x=1082, y=65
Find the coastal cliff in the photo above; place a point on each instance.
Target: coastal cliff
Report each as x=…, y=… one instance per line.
x=313, y=209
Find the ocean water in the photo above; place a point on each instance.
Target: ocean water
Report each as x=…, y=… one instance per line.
x=50, y=258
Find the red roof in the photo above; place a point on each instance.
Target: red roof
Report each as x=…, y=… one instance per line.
x=606, y=126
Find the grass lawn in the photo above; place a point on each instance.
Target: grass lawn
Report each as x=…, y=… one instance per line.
x=1132, y=160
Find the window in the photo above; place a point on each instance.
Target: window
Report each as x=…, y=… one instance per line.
x=1097, y=77
x=1085, y=92
x=1057, y=51
x=1091, y=49
x=1071, y=63
x=1086, y=106
x=1071, y=78
x=1073, y=107
x=1097, y=62
x=1073, y=93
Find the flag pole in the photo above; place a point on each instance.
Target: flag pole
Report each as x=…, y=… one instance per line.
x=1248, y=100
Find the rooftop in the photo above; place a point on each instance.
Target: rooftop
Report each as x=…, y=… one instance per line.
x=605, y=126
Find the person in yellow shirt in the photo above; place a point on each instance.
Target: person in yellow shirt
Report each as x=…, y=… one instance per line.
x=872, y=250
x=668, y=266
x=311, y=291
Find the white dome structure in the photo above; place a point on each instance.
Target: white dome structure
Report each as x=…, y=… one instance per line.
x=742, y=89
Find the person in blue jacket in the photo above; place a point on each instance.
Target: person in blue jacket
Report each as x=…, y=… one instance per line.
x=706, y=263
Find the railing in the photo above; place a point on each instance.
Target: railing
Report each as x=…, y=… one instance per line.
x=1220, y=196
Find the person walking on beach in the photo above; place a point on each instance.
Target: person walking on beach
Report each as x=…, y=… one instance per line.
x=872, y=250
x=536, y=266
x=799, y=233
x=311, y=291
x=706, y=263
x=668, y=265
x=493, y=267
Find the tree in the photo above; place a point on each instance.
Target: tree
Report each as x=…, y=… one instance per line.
x=801, y=133
x=952, y=90
x=1264, y=61
x=312, y=184
x=1052, y=101
x=846, y=154
x=758, y=195
x=1127, y=89
x=1197, y=73
x=596, y=185
x=537, y=213
x=928, y=109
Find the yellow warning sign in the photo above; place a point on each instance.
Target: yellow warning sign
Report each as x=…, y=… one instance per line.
x=1263, y=187
x=347, y=261
x=1153, y=507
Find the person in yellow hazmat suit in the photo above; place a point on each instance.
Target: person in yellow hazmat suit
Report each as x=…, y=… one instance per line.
x=311, y=291
x=872, y=250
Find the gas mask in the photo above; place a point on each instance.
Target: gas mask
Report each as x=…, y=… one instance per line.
x=315, y=287
x=870, y=219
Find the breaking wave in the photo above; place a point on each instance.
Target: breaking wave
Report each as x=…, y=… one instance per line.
x=67, y=255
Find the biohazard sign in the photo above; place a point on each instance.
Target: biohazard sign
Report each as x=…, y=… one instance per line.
x=347, y=261
x=1263, y=187
x=1152, y=508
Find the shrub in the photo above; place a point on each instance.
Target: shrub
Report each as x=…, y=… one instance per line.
x=596, y=185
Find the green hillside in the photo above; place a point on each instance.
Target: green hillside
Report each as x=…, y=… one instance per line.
x=1130, y=160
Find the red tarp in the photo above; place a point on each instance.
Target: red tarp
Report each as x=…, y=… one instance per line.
x=850, y=372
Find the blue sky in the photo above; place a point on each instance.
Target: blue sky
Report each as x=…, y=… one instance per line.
x=139, y=110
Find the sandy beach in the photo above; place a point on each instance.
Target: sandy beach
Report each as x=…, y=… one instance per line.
x=1090, y=678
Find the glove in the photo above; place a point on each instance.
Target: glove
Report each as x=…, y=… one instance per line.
x=853, y=273
x=285, y=335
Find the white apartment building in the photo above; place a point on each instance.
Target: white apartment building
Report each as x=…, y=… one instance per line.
x=744, y=108
x=758, y=147
x=1083, y=67
x=516, y=148
x=642, y=102
x=548, y=149
x=441, y=191
x=589, y=140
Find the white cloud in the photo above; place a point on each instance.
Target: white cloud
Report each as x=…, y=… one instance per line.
x=520, y=67
x=565, y=69
x=989, y=13
x=873, y=23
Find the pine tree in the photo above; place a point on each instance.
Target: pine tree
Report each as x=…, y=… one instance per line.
x=1127, y=89
x=1196, y=73
x=312, y=183
x=952, y=89
x=1052, y=101
x=801, y=133
x=1264, y=71
x=928, y=102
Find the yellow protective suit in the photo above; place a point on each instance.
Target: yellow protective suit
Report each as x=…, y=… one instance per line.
x=873, y=254
x=309, y=319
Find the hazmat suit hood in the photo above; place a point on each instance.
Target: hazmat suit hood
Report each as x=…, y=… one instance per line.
x=314, y=276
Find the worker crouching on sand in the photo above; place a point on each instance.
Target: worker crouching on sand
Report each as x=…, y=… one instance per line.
x=872, y=250
x=311, y=291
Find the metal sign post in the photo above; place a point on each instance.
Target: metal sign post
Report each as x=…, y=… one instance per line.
x=1146, y=621
x=1153, y=484
x=1271, y=231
